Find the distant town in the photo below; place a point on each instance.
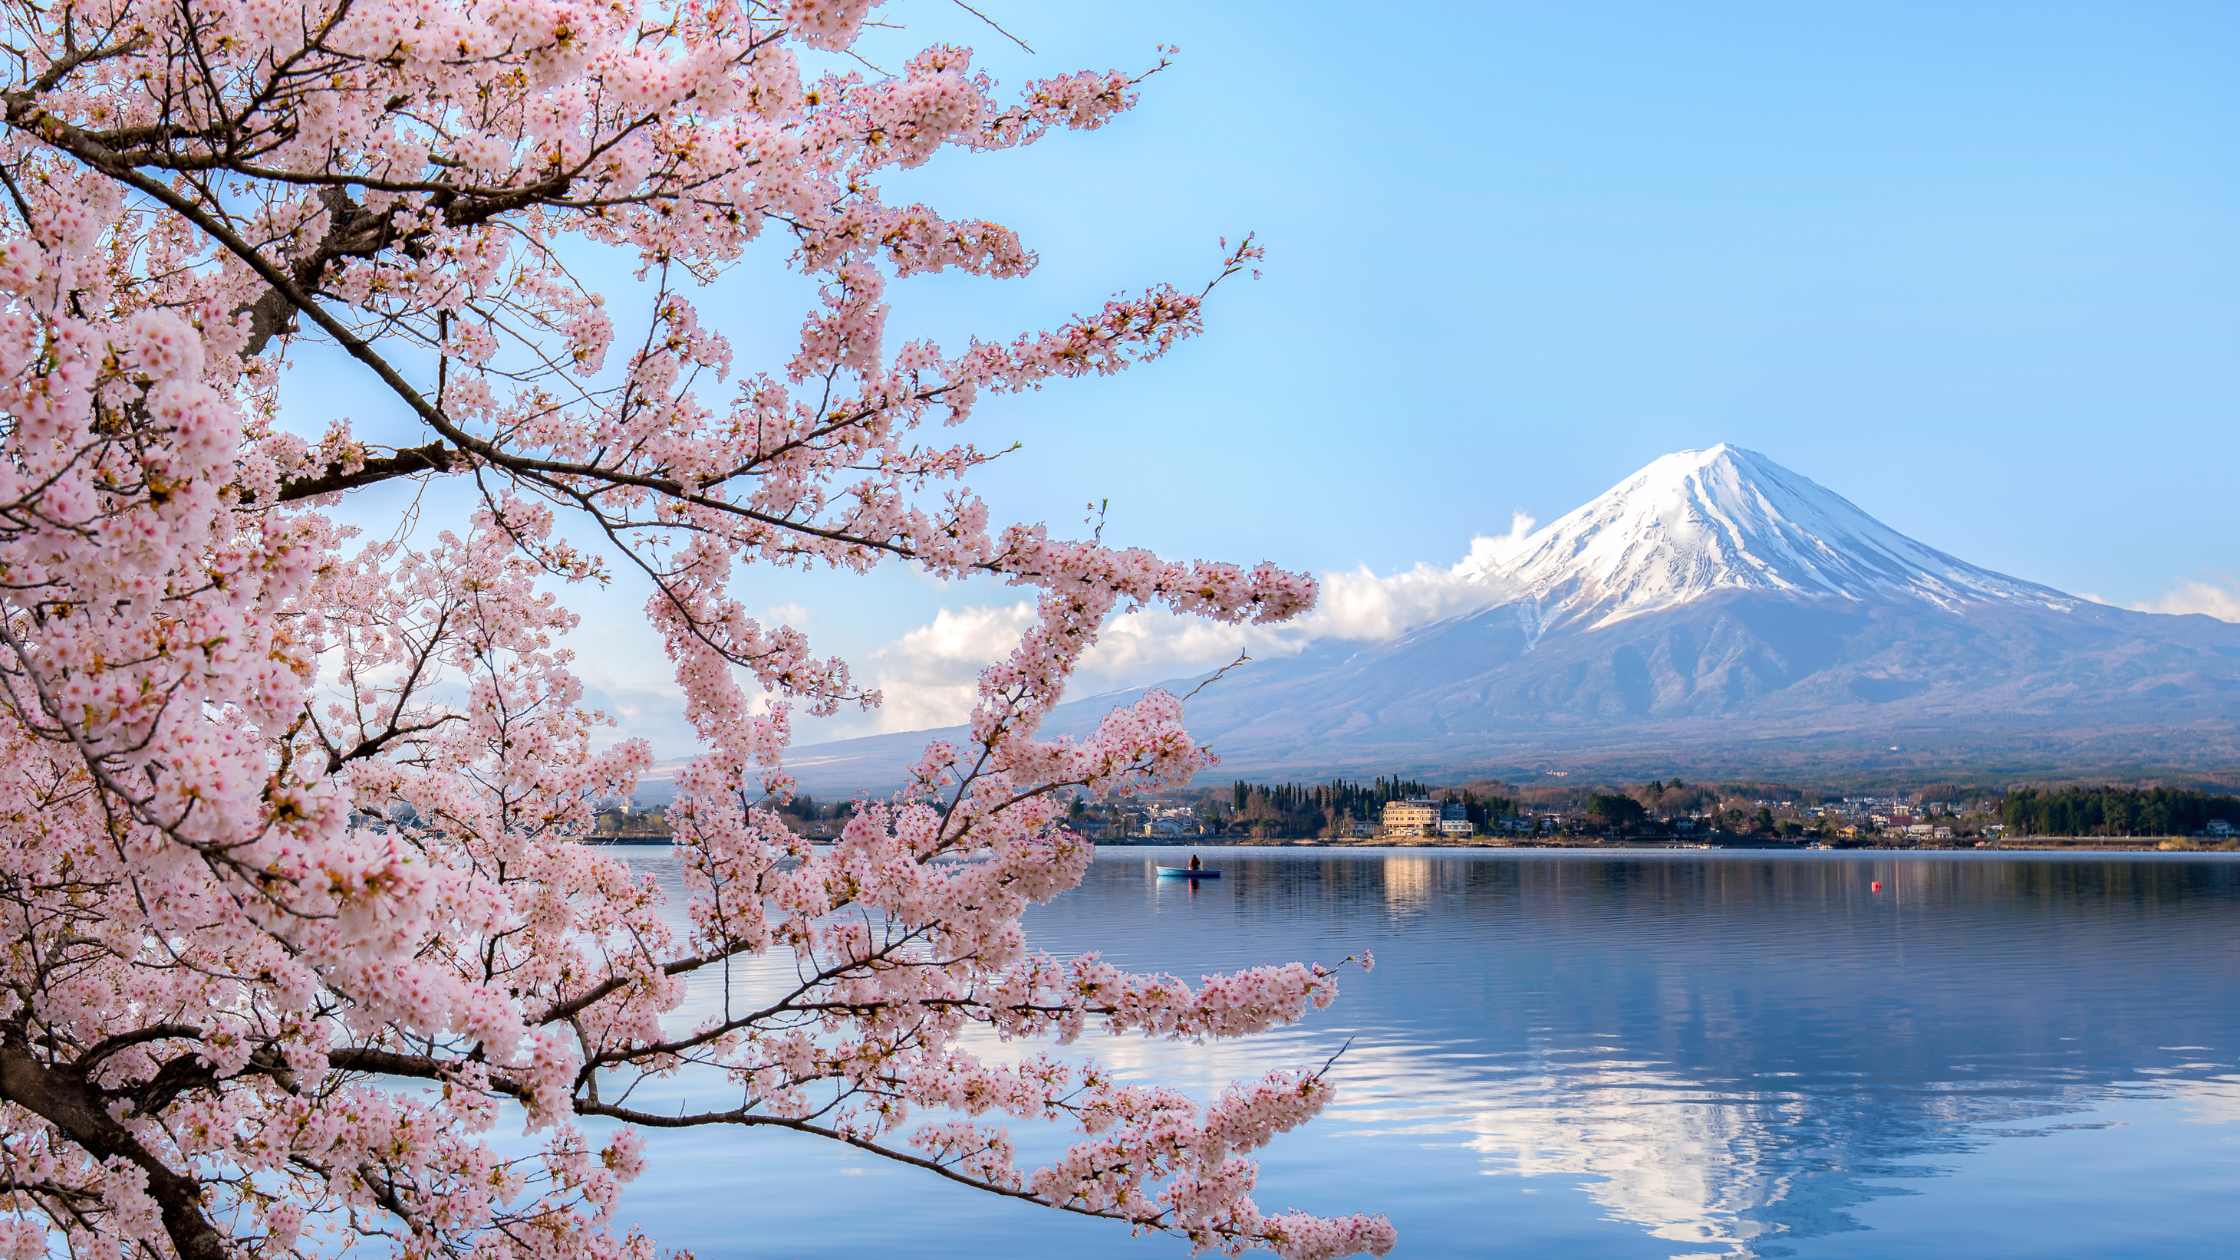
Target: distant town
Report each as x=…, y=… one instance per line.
x=1665, y=813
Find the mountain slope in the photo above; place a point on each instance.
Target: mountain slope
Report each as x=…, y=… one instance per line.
x=1717, y=613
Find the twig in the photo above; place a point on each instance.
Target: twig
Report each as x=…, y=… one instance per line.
x=992, y=22
x=1215, y=677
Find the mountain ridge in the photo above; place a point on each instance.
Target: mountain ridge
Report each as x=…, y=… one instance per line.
x=1714, y=610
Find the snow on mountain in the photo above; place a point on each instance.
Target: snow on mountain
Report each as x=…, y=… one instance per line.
x=1697, y=523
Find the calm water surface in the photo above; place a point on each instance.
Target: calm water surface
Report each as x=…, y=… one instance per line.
x=1645, y=1055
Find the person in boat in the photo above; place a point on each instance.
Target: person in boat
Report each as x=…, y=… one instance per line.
x=1195, y=864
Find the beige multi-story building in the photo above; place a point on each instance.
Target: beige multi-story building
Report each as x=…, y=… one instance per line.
x=1415, y=816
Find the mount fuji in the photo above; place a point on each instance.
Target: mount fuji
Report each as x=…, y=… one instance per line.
x=1716, y=614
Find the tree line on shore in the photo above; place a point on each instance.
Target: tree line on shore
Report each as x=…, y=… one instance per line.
x=1316, y=809
x=1331, y=809
x=2114, y=811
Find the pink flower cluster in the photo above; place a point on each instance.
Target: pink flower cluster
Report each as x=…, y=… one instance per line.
x=298, y=910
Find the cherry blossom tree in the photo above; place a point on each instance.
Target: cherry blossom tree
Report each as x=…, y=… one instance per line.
x=295, y=911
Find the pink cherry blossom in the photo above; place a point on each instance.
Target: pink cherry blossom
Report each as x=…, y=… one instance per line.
x=293, y=816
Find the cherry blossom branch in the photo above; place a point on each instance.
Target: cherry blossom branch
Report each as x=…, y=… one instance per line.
x=300, y=822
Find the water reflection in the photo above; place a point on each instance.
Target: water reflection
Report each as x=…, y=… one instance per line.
x=1732, y=1055
x=1408, y=881
x=1733, y=1047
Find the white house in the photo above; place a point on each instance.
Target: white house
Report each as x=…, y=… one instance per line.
x=1414, y=816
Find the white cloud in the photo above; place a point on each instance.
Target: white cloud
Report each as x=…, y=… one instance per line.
x=2219, y=600
x=1361, y=605
x=1356, y=606
x=930, y=675
x=1148, y=644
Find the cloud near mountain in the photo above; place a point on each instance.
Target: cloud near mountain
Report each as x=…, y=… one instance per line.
x=2190, y=595
x=929, y=674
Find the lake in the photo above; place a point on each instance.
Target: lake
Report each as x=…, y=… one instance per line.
x=1607, y=1054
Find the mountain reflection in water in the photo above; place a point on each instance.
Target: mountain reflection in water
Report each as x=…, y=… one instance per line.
x=1696, y=1054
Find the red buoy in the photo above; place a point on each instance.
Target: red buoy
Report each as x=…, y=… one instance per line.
x=1878, y=885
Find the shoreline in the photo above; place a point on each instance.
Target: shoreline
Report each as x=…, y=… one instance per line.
x=2035, y=844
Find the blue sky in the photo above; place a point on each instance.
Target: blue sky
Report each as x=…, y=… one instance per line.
x=1974, y=266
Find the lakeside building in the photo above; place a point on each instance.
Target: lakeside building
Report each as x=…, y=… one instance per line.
x=1454, y=820
x=1172, y=821
x=1414, y=816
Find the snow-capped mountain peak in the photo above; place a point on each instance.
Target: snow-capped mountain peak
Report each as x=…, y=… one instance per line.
x=1696, y=523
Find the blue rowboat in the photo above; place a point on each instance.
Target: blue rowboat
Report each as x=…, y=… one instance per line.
x=1184, y=872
